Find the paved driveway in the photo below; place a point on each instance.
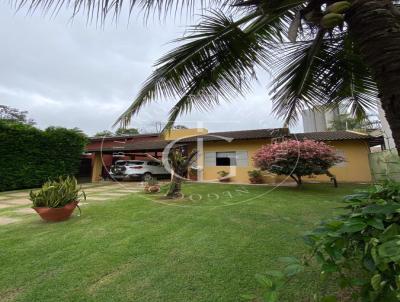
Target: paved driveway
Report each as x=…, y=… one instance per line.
x=16, y=207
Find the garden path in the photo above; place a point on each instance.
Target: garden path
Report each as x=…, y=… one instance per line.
x=15, y=206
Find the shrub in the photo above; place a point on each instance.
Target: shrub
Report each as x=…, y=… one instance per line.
x=297, y=158
x=223, y=176
x=360, y=249
x=255, y=177
x=30, y=156
x=57, y=193
x=366, y=238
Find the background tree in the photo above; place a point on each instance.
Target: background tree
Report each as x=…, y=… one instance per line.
x=320, y=52
x=104, y=133
x=297, y=159
x=346, y=122
x=126, y=131
x=180, y=127
x=9, y=114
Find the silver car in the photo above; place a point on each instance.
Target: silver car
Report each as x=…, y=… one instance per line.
x=138, y=169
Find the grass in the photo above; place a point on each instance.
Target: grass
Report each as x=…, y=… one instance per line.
x=138, y=249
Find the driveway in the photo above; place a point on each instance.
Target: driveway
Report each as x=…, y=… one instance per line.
x=16, y=207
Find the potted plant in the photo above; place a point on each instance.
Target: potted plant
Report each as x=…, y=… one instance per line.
x=255, y=177
x=152, y=186
x=223, y=176
x=193, y=174
x=57, y=199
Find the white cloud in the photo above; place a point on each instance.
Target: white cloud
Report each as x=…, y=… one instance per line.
x=76, y=75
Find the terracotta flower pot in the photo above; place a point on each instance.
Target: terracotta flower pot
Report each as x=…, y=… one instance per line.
x=152, y=189
x=256, y=180
x=56, y=214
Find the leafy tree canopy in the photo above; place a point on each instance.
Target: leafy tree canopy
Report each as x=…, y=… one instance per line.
x=297, y=158
x=347, y=122
x=126, y=131
x=119, y=132
x=104, y=133
x=9, y=114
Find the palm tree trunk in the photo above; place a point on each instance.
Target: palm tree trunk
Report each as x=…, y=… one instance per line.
x=175, y=187
x=375, y=27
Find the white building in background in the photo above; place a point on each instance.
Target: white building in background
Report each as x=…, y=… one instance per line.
x=387, y=133
x=318, y=120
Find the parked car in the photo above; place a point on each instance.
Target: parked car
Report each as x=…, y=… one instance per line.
x=137, y=169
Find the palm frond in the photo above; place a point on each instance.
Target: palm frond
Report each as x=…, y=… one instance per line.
x=295, y=86
x=217, y=61
x=336, y=76
x=99, y=9
x=347, y=81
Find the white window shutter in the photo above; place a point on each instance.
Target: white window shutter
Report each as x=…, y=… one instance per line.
x=341, y=153
x=242, y=159
x=210, y=159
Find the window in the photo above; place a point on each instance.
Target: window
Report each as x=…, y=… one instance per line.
x=153, y=163
x=233, y=158
x=341, y=153
x=226, y=158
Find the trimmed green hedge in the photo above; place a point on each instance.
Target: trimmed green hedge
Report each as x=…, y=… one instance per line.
x=30, y=156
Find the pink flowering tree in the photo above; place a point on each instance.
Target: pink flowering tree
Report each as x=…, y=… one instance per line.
x=297, y=159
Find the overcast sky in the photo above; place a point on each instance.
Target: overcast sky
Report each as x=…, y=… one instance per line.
x=75, y=75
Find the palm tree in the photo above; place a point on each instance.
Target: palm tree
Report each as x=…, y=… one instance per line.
x=322, y=52
x=180, y=164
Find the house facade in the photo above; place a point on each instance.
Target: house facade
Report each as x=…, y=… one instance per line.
x=232, y=152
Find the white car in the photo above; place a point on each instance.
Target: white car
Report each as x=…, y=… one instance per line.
x=138, y=169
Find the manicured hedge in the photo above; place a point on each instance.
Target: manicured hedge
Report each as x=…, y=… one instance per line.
x=30, y=156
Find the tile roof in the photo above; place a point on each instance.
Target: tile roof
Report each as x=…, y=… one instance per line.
x=160, y=144
x=241, y=135
x=332, y=136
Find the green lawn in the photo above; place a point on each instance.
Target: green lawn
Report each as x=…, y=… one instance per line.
x=136, y=249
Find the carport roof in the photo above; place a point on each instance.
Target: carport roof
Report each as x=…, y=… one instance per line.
x=151, y=145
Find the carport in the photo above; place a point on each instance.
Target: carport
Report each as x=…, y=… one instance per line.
x=104, y=157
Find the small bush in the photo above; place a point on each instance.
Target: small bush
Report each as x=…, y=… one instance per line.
x=255, y=177
x=57, y=193
x=223, y=176
x=365, y=239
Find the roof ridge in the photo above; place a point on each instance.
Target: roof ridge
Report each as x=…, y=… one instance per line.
x=265, y=129
x=357, y=132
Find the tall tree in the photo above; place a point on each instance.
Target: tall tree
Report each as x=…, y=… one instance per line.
x=14, y=115
x=322, y=52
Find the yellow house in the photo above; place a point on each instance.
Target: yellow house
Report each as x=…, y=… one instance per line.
x=233, y=152
x=221, y=149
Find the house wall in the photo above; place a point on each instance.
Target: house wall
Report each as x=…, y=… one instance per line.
x=355, y=169
x=183, y=133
